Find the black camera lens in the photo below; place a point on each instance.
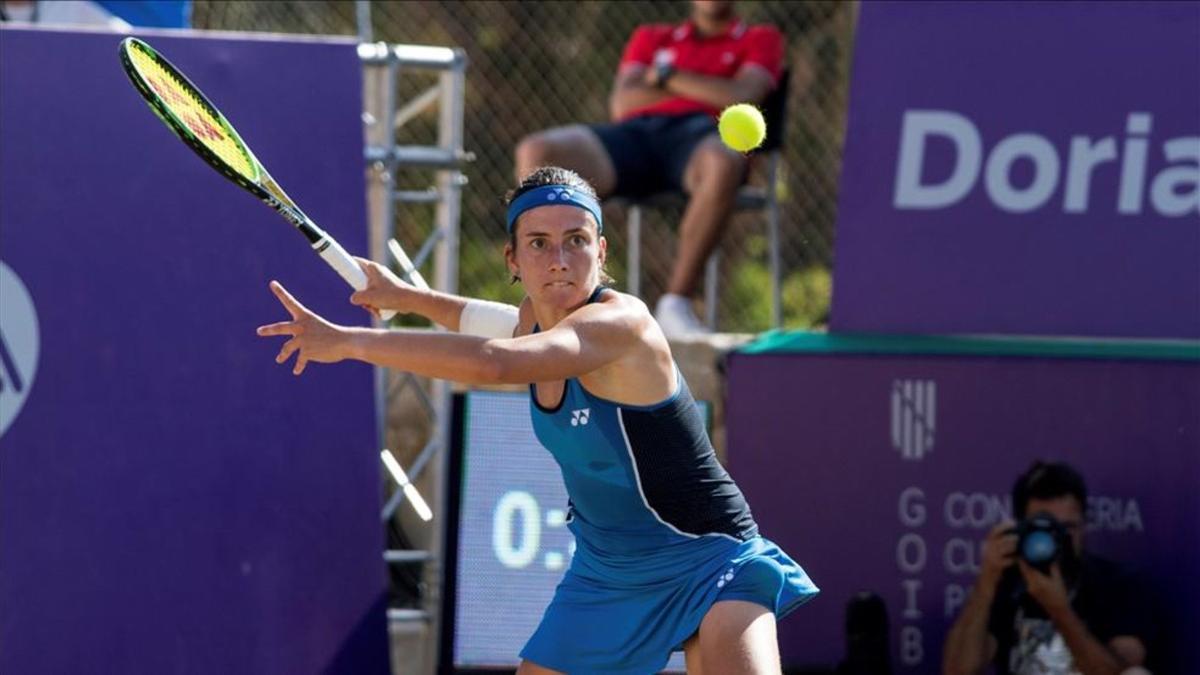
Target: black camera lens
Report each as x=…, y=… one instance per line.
x=1039, y=548
x=1041, y=540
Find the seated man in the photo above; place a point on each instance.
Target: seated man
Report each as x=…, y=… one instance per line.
x=671, y=84
x=1079, y=614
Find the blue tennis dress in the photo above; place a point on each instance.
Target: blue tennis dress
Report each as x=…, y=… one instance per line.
x=661, y=530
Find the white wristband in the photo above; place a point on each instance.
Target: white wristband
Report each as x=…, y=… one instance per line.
x=483, y=318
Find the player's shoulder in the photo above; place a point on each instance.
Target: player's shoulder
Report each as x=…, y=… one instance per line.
x=621, y=309
x=624, y=301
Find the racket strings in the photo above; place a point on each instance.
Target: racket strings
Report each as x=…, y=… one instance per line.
x=189, y=109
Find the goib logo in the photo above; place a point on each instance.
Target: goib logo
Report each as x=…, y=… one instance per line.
x=18, y=346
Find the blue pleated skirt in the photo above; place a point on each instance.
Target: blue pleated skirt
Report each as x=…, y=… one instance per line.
x=627, y=613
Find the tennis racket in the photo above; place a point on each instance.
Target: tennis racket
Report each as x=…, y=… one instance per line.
x=196, y=121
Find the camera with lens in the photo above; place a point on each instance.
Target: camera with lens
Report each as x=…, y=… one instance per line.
x=1042, y=541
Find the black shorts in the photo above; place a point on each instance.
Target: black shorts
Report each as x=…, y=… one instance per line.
x=650, y=153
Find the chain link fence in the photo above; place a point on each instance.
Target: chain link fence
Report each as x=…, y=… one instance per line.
x=536, y=64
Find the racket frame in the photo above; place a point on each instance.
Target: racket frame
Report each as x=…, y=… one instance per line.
x=265, y=187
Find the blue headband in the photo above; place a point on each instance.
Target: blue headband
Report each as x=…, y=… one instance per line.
x=550, y=195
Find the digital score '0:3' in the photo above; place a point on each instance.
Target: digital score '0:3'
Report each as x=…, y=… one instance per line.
x=519, y=524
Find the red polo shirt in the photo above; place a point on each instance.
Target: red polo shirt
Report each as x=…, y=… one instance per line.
x=718, y=55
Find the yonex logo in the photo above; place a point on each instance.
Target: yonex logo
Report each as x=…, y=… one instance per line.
x=19, y=343
x=580, y=417
x=562, y=193
x=914, y=417
x=725, y=578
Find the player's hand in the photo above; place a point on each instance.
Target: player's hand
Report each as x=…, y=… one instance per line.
x=1049, y=590
x=312, y=338
x=999, y=552
x=384, y=290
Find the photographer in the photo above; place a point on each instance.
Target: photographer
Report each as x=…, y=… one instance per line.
x=1041, y=604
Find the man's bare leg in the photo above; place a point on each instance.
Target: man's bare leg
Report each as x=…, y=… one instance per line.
x=574, y=147
x=713, y=175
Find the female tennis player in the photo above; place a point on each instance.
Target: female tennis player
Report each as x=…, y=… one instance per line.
x=668, y=555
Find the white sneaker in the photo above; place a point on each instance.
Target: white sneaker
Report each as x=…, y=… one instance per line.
x=676, y=318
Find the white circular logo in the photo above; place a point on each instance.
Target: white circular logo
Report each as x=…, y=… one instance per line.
x=18, y=345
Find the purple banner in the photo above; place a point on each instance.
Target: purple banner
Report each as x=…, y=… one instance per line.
x=1022, y=168
x=171, y=500
x=898, y=466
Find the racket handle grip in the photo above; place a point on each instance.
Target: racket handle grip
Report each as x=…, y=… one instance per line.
x=349, y=270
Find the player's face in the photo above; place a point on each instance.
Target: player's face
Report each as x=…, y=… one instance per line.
x=558, y=255
x=1066, y=510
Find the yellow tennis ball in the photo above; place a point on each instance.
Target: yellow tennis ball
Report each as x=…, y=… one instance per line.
x=742, y=127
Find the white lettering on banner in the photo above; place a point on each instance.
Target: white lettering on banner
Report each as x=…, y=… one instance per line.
x=999, y=168
x=912, y=651
x=1174, y=191
x=918, y=125
x=976, y=509
x=911, y=556
x=912, y=507
x=955, y=598
x=1114, y=514
x=910, y=553
x=911, y=586
x=1163, y=193
x=959, y=556
x=1133, y=166
x=1085, y=156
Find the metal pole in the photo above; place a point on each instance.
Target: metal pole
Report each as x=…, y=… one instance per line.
x=774, y=242
x=633, y=254
x=362, y=10
x=448, y=213
x=379, y=107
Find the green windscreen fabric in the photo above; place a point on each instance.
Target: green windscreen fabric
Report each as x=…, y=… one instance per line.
x=783, y=342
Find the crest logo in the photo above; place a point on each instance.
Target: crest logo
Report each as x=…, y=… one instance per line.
x=914, y=417
x=580, y=417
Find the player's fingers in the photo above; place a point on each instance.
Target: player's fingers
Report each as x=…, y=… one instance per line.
x=1002, y=528
x=1026, y=570
x=301, y=362
x=290, y=303
x=281, y=328
x=371, y=269
x=286, y=351
x=1055, y=572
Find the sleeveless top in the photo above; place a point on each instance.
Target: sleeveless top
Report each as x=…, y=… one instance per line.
x=639, y=477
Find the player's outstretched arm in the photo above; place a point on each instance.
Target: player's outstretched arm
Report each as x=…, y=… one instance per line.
x=455, y=312
x=590, y=338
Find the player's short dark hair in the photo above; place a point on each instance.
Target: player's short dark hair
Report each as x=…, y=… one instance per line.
x=551, y=175
x=1047, y=480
